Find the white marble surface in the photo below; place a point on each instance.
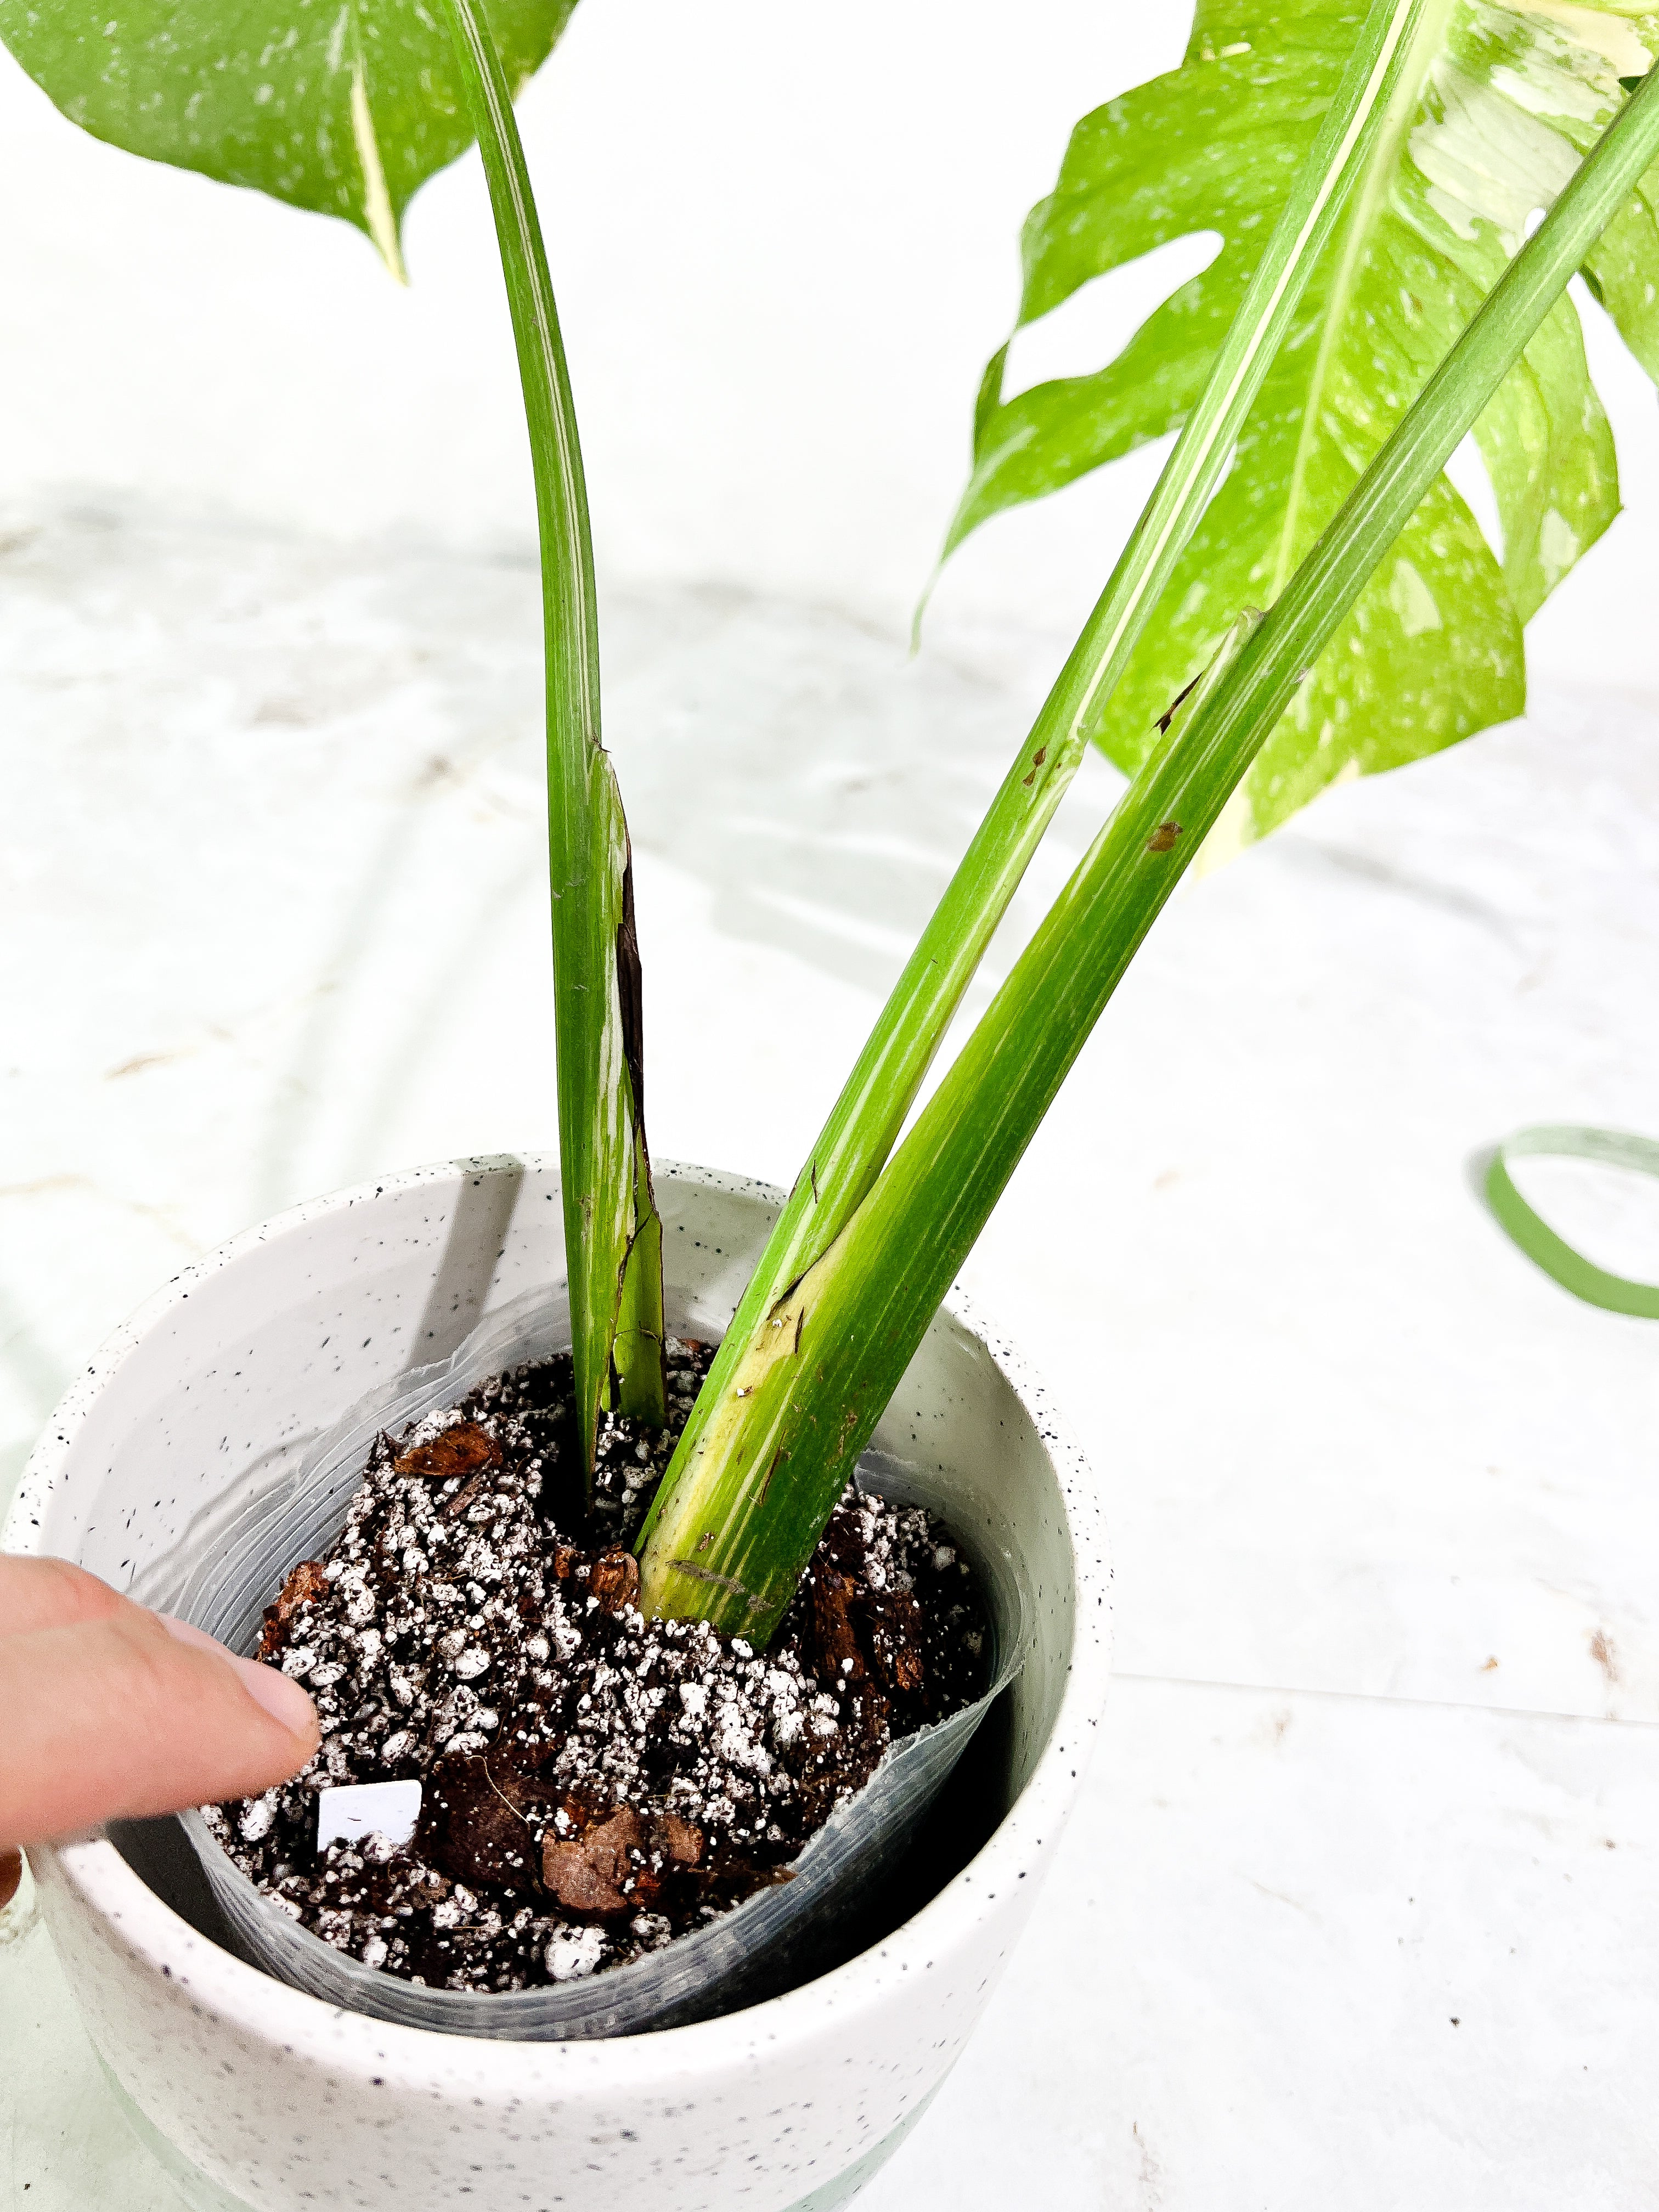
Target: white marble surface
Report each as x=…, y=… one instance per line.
x=1361, y=1908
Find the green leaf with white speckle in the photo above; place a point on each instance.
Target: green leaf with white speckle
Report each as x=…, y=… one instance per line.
x=1502, y=102
x=347, y=107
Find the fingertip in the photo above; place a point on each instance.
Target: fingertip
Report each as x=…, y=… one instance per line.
x=120, y=1717
x=276, y=1694
x=282, y=1696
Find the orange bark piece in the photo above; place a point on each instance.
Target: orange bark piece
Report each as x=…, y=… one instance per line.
x=614, y=1578
x=587, y=1872
x=465, y=1449
x=681, y=1840
x=307, y=1581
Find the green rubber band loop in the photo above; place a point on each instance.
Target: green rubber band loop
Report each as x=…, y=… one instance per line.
x=1607, y=1148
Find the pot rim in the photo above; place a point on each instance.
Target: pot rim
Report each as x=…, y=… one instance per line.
x=266, y=2011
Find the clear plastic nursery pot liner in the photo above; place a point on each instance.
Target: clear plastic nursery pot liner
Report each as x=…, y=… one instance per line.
x=223, y=1578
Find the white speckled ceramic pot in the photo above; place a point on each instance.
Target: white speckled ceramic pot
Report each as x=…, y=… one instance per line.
x=256, y=2094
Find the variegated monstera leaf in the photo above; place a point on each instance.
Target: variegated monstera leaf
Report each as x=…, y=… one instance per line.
x=1501, y=103
x=345, y=106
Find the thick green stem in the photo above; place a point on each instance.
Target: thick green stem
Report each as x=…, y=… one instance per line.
x=821, y=1371
x=1387, y=63
x=605, y=1165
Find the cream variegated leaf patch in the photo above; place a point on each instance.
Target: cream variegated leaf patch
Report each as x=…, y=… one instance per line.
x=1500, y=104
x=343, y=106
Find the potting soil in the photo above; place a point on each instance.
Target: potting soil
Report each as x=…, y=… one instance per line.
x=592, y=1783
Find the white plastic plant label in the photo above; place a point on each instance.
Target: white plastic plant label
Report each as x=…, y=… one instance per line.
x=359, y=1809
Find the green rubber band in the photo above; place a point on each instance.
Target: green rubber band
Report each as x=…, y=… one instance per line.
x=1607, y=1148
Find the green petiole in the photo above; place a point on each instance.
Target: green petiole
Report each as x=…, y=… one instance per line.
x=865, y=1122
x=829, y=1354
x=612, y=1236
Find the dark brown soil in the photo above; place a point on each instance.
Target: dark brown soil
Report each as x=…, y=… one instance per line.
x=592, y=1783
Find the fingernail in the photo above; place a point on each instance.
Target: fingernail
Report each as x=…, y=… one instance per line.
x=182, y=1631
x=278, y=1694
x=281, y=1697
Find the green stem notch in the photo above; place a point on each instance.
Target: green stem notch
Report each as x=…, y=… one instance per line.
x=613, y=1238
x=805, y=1386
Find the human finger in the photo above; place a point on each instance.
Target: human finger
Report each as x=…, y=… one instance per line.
x=49, y=1594
x=119, y=1718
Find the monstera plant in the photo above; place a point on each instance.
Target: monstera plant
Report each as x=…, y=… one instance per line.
x=1305, y=597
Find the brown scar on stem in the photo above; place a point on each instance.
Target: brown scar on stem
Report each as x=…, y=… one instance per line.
x=801, y=1323
x=708, y=1575
x=1163, y=838
x=814, y=1171
x=765, y=1480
